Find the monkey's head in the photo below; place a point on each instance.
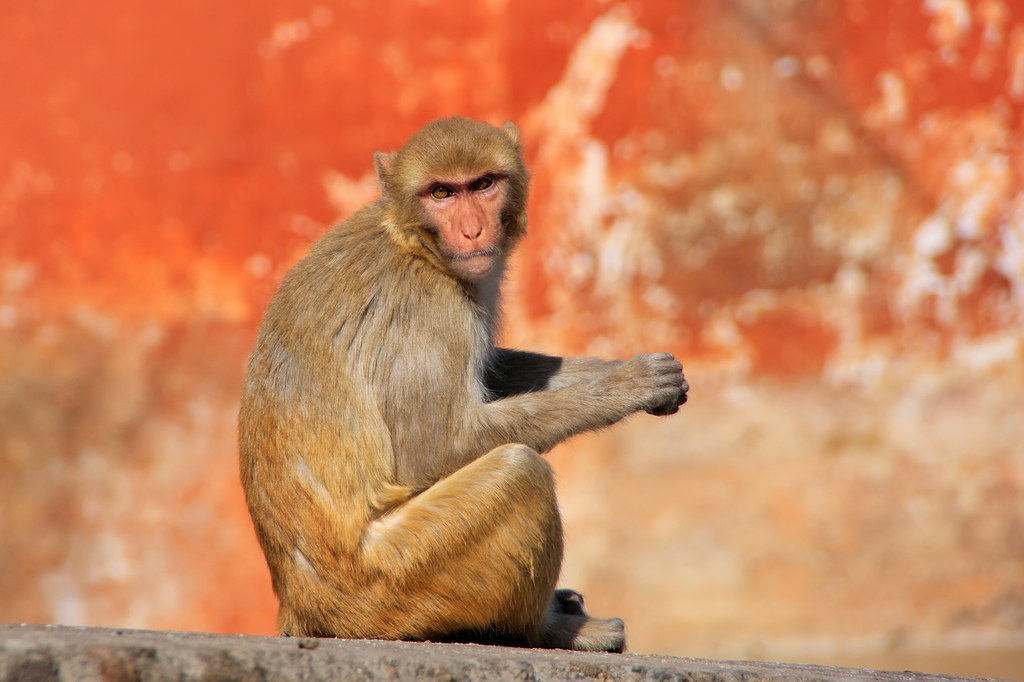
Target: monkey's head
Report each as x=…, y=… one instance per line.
x=458, y=187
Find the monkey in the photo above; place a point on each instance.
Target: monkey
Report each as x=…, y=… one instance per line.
x=390, y=452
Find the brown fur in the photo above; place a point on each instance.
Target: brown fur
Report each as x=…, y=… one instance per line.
x=389, y=452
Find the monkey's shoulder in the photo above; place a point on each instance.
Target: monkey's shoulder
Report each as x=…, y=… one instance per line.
x=361, y=233
x=354, y=250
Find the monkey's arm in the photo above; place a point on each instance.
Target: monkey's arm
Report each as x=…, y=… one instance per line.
x=511, y=372
x=543, y=418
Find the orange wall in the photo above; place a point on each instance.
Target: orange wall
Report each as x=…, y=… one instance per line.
x=818, y=205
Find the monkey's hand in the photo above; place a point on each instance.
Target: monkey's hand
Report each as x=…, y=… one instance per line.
x=656, y=382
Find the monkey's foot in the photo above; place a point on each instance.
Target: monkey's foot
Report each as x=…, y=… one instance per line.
x=567, y=625
x=567, y=601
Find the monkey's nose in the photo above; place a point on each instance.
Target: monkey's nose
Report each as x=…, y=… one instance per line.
x=472, y=232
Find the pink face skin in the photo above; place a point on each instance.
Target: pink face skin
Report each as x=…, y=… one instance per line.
x=466, y=210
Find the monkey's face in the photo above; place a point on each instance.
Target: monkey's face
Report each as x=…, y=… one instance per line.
x=459, y=188
x=465, y=213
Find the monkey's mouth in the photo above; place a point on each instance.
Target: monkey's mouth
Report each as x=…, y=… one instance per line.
x=472, y=265
x=489, y=252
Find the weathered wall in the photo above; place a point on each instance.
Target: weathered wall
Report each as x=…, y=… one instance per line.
x=818, y=205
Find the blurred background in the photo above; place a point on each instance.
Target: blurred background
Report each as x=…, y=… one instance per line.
x=817, y=205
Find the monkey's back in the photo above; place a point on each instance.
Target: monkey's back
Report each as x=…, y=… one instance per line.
x=327, y=398
x=343, y=361
x=311, y=438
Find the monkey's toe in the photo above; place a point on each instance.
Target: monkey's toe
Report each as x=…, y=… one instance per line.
x=617, y=643
x=602, y=634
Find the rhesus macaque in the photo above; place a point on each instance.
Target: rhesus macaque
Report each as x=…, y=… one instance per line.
x=389, y=451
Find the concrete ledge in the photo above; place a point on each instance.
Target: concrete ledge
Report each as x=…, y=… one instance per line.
x=37, y=653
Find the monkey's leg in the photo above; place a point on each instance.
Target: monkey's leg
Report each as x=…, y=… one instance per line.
x=479, y=551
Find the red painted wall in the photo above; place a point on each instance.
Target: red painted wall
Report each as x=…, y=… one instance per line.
x=818, y=205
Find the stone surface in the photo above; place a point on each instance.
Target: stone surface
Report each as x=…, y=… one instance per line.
x=42, y=653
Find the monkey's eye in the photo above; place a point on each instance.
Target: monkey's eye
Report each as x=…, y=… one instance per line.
x=441, y=192
x=483, y=183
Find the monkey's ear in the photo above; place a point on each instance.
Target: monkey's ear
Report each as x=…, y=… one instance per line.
x=512, y=131
x=384, y=162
